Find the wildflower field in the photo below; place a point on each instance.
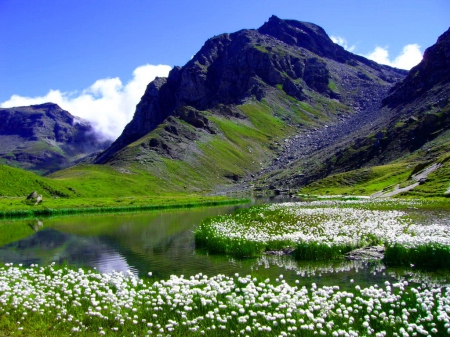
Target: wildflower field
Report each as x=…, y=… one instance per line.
x=322, y=230
x=55, y=301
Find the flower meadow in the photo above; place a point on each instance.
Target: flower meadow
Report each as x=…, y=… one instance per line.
x=46, y=301
x=323, y=230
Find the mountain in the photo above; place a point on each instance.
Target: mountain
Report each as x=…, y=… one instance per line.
x=238, y=102
x=45, y=138
x=410, y=131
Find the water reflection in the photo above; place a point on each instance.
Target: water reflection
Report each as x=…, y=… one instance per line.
x=36, y=225
x=110, y=261
x=317, y=268
x=49, y=245
x=437, y=278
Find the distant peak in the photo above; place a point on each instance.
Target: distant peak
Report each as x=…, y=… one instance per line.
x=274, y=18
x=46, y=106
x=301, y=34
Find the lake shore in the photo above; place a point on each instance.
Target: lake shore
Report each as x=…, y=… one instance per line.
x=18, y=208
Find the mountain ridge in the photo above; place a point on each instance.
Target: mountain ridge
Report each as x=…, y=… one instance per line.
x=44, y=138
x=249, y=66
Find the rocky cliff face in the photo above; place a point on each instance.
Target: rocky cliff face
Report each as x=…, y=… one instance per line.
x=44, y=138
x=296, y=58
x=414, y=116
x=433, y=71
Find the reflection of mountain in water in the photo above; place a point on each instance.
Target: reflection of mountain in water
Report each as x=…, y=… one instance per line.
x=49, y=245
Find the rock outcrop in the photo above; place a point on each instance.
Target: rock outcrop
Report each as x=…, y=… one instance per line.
x=366, y=253
x=34, y=198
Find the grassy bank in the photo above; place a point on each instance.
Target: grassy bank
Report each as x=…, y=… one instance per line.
x=92, y=189
x=323, y=230
x=50, y=301
x=19, y=208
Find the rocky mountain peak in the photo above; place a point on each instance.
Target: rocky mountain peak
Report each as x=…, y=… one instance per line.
x=303, y=34
x=283, y=57
x=55, y=112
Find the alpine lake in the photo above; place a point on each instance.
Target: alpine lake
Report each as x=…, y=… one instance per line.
x=158, y=245
x=162, y=242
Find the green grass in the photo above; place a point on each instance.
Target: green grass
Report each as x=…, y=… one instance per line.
x=332, y=86
x=436, y=184
x=18, y=182
x=91, y=189
x=313, y=251
x=262, y=119
x=17, y=208
x=261, y=49
x=429, y=256
x=364, y=181
x=101, y=180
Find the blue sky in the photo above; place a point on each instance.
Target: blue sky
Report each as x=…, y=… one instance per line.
x=81, y=51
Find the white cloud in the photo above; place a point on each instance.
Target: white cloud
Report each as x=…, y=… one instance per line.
x=107, y=104
x=410, y=56
x=342, y=42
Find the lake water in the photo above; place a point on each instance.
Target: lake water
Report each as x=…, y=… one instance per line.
x=162, y=242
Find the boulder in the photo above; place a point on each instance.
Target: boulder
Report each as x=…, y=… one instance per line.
x=32, y=196
x=35, y=198
x=39, y=199
x=366, y=253
x=447, y=193
x=281, y=252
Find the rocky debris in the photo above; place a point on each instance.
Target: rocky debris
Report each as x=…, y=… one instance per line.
x=32, y=196
x=366, y=253
x=35, y=198
x=119, y=169
x=281, y=252
x=383, y=128
x=195, y=118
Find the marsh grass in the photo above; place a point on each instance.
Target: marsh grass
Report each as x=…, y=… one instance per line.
x=326, y=230
x=59, y=301
x=428, y=256
x=239, y=248
x=318, y=252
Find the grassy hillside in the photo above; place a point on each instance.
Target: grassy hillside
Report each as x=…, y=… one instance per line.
x=175, y=164
x=90, y=188
x=367, y=181
x=15, y=182
x=360, y=182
